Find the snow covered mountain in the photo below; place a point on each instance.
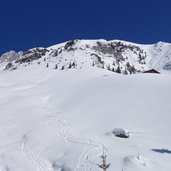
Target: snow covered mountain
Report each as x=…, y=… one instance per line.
x=117, y=56
x=55, y=116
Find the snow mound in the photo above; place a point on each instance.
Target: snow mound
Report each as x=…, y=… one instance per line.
x=120, y=132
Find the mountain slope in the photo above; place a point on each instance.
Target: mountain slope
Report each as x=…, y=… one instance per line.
x=117, y=56
x=60, y=105
x=58, y=120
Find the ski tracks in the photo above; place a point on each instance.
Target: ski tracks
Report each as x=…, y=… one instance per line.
x=40, y=165
x=91, y=149
x=85, y=159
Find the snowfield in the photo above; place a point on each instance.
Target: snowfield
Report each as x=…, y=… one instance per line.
x=53, y=120
x=116, y=55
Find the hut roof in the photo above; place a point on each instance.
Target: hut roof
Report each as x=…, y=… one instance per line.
x=152, y=71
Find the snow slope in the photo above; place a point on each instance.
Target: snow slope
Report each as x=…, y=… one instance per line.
x=61, y=120
x=116, y=56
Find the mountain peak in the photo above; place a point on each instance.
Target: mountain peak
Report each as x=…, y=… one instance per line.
x=114, y=55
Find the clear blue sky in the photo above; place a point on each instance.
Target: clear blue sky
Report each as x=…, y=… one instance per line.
x=28, y=23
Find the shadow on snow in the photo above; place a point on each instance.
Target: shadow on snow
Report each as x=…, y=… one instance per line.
x=162, y=151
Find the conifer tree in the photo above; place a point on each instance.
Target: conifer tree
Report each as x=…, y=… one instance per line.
x=125, y=72
x=118, y=70
x=70, y=66
x=132, y=69
x=102, y=65
x=108, y=67
x=73, y=64
x=62, y=67
x=113, y=70
x=56, y=66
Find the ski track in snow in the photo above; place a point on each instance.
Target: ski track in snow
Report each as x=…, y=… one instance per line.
x=84, y=161
x=39, y=163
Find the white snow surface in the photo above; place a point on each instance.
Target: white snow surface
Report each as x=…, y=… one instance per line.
x=158, y=54
x=85, y=52
x=62, y=120
x=53, y=120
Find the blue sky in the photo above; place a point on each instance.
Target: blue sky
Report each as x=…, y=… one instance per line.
x=28, y=23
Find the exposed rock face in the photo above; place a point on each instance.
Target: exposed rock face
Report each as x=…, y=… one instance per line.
x=116, y=56
x=10, y=56
x=32, y=55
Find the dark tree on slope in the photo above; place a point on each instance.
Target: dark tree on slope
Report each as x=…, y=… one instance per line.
x=118, y=70
x=56, y=66
x=102, y=65
x=128, y=65
x=93, y=63
x=132, y=69
x=62, y=67
x=113, y=70
x=128, y=68
x=70, y=66
x=47, y=65
x=125, y=72
x=73, y=64
x=108, y=67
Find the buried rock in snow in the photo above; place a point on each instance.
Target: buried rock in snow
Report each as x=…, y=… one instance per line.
x=120, y=132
